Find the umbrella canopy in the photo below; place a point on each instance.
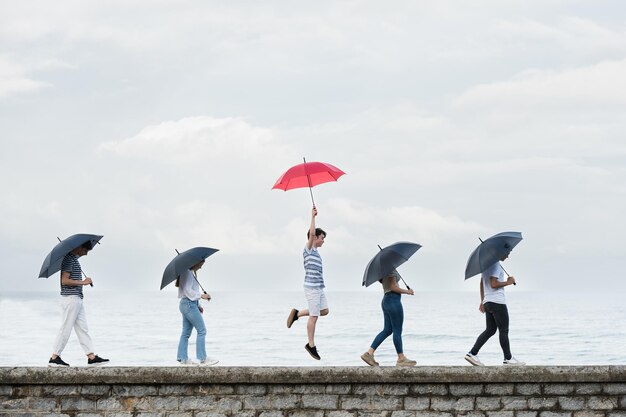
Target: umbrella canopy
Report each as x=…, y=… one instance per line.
x=491, y=251
x=52, y=263
x=307, y=174
x=387, y=260
x=184, y=261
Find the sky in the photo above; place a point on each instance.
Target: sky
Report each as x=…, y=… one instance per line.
x=163, y=125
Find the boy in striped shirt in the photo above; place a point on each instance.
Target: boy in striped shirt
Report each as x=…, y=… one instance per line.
x=313, y=285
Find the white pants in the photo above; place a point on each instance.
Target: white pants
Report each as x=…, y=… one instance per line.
x=74, y=317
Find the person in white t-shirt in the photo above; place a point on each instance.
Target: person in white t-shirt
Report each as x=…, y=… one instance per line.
x=493, y=305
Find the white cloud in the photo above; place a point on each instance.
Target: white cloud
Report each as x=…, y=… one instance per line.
x=14, y=79
x=590, y=86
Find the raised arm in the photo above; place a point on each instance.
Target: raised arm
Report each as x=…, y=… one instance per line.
x=309, y=243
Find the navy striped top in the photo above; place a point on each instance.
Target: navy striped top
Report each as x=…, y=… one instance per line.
x=70, y=264
x=313, y=271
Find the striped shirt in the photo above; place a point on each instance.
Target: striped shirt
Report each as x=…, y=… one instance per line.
x=70, y=264
x=313, y=272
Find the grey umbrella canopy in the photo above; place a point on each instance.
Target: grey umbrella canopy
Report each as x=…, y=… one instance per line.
x=52, y=263
x=184, y=261
x=491, y=251
x=387, y=260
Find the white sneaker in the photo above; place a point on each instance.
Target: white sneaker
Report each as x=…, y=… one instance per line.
x=513, y=361
x=208, y=362
x=187, y=362
x=473, y=359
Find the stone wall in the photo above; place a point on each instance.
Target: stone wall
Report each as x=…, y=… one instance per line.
x=598, y=391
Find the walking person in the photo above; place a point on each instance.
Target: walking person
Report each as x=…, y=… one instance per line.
x=394, y=318
x=313, y=286
x=493, y=306
x=74, y=316
x=191, y=310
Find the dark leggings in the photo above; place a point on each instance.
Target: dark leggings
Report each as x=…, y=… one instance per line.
x=497, y=317
x=394, y=317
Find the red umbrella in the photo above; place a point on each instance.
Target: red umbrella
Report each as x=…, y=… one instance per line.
x=308, y=174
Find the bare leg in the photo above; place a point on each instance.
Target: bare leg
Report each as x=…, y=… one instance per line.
x=310, y=330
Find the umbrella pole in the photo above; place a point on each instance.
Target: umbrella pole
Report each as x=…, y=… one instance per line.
x=407, y=285
x=309, y=180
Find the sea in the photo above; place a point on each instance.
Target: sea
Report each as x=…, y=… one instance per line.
x=249, y=328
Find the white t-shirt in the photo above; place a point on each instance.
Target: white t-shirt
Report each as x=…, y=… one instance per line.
x=493, y=295
x=188, y=286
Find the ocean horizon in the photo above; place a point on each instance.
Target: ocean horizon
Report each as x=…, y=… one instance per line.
x=249, y=328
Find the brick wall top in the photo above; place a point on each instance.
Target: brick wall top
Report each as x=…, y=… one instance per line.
x=304, y=375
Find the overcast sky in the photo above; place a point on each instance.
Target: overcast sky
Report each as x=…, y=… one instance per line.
x=164, y=124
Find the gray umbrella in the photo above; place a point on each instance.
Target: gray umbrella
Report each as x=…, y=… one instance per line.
x=184, y=261
x=387, y=260
x=491, y=251
x=52, y=263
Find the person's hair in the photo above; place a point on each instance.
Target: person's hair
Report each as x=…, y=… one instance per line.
x=87, y=245
x=177, y=284
x=318, y=232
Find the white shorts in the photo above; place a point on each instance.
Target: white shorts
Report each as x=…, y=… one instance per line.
x=316, y=299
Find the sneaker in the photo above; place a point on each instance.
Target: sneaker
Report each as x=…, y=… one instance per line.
x=208, y=362
x=369, y=359
x=57, y=362
x=405, y=362
x=293, y=316
x=473, y=359
x=513, y=361
x=96, y=361
x=187, y=362
x=312, y=351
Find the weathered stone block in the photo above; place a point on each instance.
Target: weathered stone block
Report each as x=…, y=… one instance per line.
x=542, y=403
x=514, y=403
x=339, y=413
x=176, y=389
x=523, y=413
x=367, y=389
x=588, y=388
x=528, y=389
x=308, y=389
x=256, y=403
x=214, y=389
x=229, y=405
x=89, y=415
x=244, y=414
x=416, y=403
x=572, y=403
x=320, y=401
x=558, y=389
x=602, y=403
x=350, y=402
x=254, y=389
x=306, y=413
x=555, y=414
x=429, y=389
x=110, y=404
x=338, y=389
x=615, y=389
x=284, y=401
x=95, y=390
x=499, y=413
x=431, y=414
x=207, y=414
x=587, y=413
x=42, y=404
x=488, y=403
x=452, y=404
x=60, y=390
x=499, y=389
x=460, y=390
x=195, y=402
x=403, y=414
x=77, y=404
x=14, y=404
x=395, y=389
x=385, y=403
x=617, y=414
x=133, y=390
x=273, y=413
x=374, y=414
x=163, y=403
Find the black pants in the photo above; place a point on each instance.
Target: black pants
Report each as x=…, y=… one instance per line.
x=497, y=317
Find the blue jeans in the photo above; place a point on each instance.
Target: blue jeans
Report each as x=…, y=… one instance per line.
x=394, y=317
x=191, y=318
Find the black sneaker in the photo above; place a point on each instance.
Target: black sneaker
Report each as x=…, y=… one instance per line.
x=312, y=351
x=96, y=361
x=57, y=362
x=293, y=316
